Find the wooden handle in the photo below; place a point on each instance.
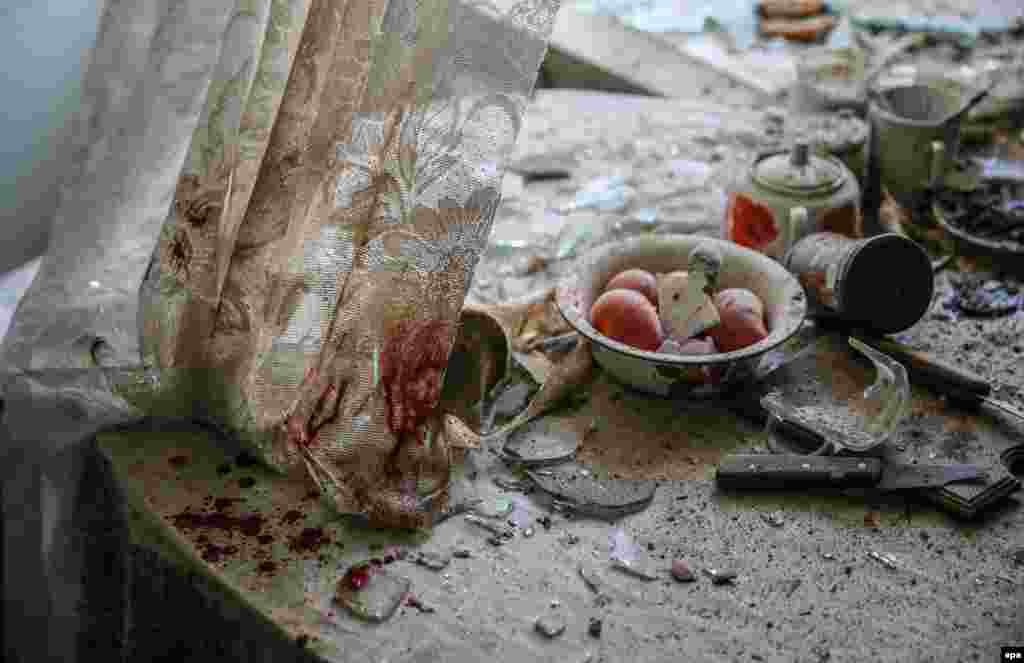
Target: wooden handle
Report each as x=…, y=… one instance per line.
x=784, y=470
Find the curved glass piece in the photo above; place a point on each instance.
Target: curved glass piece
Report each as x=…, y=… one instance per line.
x=814, y=429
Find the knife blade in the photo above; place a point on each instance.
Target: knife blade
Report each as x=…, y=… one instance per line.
x=795, y=471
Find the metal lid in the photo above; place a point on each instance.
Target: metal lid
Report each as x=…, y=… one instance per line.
x=799, y=172
x=886, y=301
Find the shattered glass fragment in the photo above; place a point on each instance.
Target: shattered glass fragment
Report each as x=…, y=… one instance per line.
x=608, y=499
x=499, y=507
x=595, y=627
x=491, y=527
x=513, y=484
x=432, y=560
x=628, y=557
x=462, y=553
x=635, y=569
x=885, y=559
x=550, y=626
x=605, y=194
x=591, y=577
x=520, y=515
x=720, y=576
x=371, y=593
x=542, y=441
x=528, y=532
x=772, y=519
x=423, y=608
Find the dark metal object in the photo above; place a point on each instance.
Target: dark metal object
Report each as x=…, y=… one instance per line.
x=990, y=217
x=799, y=375
x=841, y=277
x=793, y=471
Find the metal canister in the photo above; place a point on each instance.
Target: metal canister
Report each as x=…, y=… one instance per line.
x=884, y=283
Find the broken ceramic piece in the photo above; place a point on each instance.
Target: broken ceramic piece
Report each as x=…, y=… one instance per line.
x=542, y=442
x=683, y=306
x=576, y=487
x=706, y=259
x=371, y=593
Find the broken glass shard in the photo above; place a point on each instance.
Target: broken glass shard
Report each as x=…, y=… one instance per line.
x=885, y=559
x=371, y=593
x=432, y=560
x=635, y=569
x=720, y=576
x=499, y=507
x=590, y=496
x=490, y=526
x=513, y=484
x=591, y=577
x=520, y=511
x=550, y=626
x=542, y=442
x=628, y=557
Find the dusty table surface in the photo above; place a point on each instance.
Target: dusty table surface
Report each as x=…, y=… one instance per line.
x=806, y=588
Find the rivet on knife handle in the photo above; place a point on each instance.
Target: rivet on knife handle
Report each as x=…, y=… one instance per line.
x=788, y=470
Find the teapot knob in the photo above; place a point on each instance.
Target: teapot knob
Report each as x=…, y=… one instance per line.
x=801, y=154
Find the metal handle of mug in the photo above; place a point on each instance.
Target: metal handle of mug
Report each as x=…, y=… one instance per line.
x=938, y=166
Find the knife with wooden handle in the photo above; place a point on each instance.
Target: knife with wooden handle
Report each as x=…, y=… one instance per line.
x=798, y=471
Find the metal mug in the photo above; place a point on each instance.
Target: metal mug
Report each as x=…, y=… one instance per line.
x=915, y=136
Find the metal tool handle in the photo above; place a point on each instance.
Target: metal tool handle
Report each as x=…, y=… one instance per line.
x=935, y=373
x=747, y=471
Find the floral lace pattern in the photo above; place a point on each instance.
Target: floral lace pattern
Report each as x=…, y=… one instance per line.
x=336, y=199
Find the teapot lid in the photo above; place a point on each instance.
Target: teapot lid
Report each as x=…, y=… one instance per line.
x=799, y=172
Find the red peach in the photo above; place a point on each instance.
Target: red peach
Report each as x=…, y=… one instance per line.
x=628, y=317
x=639, y=280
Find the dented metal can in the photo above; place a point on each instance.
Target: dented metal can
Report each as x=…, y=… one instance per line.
x=884, y=283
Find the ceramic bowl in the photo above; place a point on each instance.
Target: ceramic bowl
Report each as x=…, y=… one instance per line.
x=673, y=375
